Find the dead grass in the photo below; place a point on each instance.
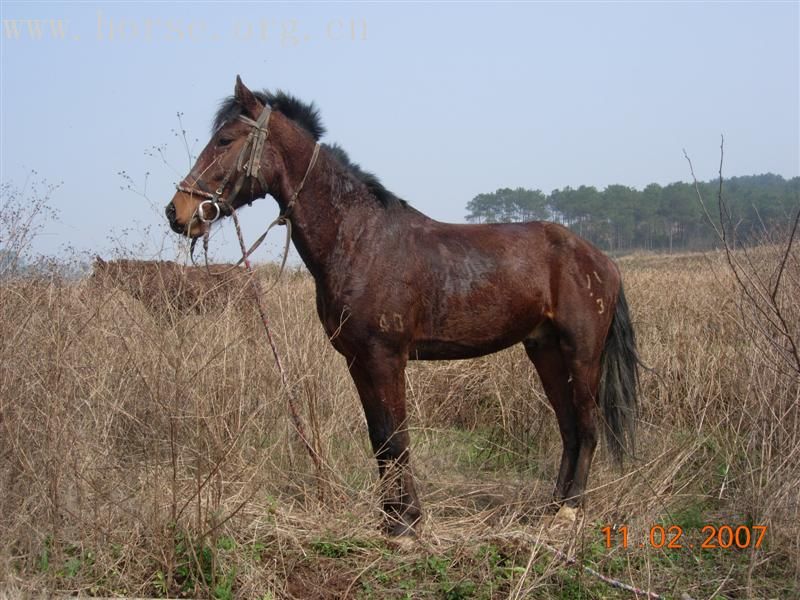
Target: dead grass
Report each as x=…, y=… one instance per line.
x=145, y=456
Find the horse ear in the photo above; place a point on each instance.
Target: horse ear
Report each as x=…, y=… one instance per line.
x=99, y=261
x=246, y=98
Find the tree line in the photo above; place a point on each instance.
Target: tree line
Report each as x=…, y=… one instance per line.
x=670, y=217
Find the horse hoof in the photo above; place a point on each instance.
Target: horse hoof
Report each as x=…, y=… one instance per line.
x=400, y=529
x=397, y=526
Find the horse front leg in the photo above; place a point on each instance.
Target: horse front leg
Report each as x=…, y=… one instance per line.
x=380, y=380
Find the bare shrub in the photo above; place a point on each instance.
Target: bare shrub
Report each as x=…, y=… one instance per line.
x=24, y=212
x=762, y=423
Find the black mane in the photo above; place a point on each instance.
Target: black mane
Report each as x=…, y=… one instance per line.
x=307, y=117
x=374, y=185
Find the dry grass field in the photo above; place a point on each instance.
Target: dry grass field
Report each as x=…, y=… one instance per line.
x=151, y=456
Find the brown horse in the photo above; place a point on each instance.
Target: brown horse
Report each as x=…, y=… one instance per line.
x=394, y=285
x=163, y=286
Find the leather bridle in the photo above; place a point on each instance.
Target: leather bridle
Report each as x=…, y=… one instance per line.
x=248, y=165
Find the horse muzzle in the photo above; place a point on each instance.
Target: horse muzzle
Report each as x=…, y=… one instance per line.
x=172, y=219
x=195, y=227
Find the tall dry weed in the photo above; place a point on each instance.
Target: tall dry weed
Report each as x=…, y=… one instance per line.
x=137, y=450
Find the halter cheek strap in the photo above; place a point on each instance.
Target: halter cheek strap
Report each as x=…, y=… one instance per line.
x=257, y=136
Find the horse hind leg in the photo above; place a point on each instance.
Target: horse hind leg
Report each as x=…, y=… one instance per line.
x=583, y=366
x=545, y=353
x=584, y=389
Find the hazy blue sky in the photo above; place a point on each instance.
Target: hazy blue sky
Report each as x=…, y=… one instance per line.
x=442, y=101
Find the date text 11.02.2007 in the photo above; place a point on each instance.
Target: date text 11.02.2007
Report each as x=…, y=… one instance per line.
x=672, y=537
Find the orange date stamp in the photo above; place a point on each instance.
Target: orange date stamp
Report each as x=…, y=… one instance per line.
x=672, y=537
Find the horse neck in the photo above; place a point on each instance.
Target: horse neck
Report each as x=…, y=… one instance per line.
x=334, y=209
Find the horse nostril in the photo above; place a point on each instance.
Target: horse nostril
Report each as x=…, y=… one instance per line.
x=172, y=218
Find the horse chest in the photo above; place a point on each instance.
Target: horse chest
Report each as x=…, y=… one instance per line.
x=351, y=319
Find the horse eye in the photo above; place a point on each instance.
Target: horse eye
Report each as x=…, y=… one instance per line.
x=224, y=141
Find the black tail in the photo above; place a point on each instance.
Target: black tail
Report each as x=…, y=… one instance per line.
x=619, y=380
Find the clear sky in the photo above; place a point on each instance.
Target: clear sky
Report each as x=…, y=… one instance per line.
x=442, y=101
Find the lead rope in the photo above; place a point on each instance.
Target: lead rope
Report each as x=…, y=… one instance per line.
x=283, y=219
x=297, y=421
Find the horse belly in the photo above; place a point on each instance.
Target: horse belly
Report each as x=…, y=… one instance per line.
x=446, y=350
x=471, y=333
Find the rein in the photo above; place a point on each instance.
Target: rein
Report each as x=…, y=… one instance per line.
x=248, y=167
